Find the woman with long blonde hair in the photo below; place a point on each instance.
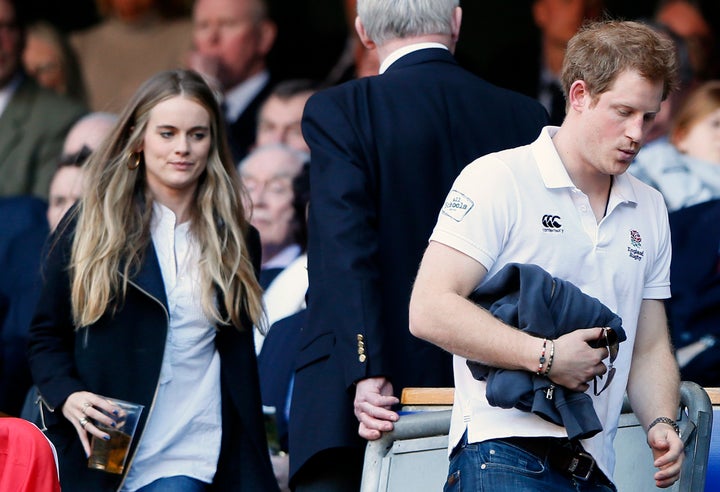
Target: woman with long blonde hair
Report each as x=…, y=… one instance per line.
x=150, y=296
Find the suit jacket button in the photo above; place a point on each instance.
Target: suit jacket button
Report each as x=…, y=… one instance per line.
x=362, y=357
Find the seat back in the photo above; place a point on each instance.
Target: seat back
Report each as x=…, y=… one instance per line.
x=411, y=457
x=414, y=455
x=634, y=467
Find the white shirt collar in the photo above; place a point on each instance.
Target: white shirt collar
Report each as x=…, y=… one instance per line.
x=284, y=257
x=555, y=175
x=7, y=92
x=239, y=97
x=400, y=52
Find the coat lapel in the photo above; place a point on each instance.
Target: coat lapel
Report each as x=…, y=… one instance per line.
x=149, y=278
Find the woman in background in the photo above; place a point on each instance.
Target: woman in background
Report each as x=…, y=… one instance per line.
x=686, y=167
x=50, y=60
x=150, y=297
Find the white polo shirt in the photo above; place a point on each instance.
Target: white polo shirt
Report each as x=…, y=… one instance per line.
x=519, y=205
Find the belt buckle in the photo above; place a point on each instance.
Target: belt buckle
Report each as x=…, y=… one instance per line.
x=581, y=466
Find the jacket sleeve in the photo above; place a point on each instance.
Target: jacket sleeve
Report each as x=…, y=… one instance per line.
x=343, y=263
x=52, y=333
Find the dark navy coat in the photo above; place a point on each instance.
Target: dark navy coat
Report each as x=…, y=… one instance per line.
x=694, y=308
x=23, y=235
x=121, y=355
x=384, y=153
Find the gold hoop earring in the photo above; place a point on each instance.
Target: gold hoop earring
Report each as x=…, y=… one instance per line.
x=134, y=165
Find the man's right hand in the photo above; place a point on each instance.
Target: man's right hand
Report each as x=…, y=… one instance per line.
x=373, y=402
x=575, y=362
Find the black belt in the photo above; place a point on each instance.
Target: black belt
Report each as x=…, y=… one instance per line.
x=562, y=455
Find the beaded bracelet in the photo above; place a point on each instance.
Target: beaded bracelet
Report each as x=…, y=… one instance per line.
x=550, y=359
x=541, y=360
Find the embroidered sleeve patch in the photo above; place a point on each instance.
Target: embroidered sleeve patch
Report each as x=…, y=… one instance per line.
x=457, y=205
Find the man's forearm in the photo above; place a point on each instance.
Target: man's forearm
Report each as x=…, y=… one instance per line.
x=654, y=383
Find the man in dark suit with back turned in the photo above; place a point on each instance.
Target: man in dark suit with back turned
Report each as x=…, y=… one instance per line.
x=384, y=151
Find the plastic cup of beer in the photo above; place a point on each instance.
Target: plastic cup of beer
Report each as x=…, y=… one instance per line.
x=110, y=455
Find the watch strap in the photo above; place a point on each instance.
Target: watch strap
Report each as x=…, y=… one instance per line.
x=665, y=420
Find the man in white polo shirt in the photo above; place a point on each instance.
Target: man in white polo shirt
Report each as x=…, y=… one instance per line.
x=565, y=204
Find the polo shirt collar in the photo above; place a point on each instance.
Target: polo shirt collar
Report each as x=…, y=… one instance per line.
x=555, y=175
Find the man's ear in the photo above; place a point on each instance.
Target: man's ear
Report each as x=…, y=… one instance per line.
x=579, y=97
x=268, y=33
x=364, y=39
x=455, y=24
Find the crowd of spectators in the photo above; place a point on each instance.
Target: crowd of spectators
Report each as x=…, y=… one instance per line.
x=64, y=78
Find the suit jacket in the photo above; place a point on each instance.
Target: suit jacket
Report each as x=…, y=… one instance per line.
x=384, y=153
x=32, y=129
x=242, y=131
x=23, y=234
x=120, y=356
x=694, y=308
x=276, y=363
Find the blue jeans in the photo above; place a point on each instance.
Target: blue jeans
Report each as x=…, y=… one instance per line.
x=501, y=467
x=179, y=483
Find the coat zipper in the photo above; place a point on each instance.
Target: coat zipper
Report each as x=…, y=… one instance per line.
x=157, y=386
x=41, y=402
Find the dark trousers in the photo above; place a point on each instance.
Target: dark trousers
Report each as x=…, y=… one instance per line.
x=332, y=470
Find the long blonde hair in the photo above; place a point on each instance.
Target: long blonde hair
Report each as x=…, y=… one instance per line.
x=113, y=225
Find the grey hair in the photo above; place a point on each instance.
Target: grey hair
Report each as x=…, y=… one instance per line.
x=393, y=19
x=298, y=156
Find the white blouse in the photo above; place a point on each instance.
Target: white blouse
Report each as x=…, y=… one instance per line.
x=183, y=432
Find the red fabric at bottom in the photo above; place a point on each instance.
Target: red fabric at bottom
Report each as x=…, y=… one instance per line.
x=27, y=461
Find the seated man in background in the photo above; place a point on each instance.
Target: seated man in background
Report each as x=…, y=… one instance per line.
x=20, y=262
x=280, y=117
x=232, y=39
x=21, y=252
x=267, y=173
x=89, y=131
x=276, y=360
x=33, y=120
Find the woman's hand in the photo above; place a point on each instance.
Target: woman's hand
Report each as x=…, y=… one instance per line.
x=82, y=409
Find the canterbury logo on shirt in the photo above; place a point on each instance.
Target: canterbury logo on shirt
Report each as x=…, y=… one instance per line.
x=551, y=223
